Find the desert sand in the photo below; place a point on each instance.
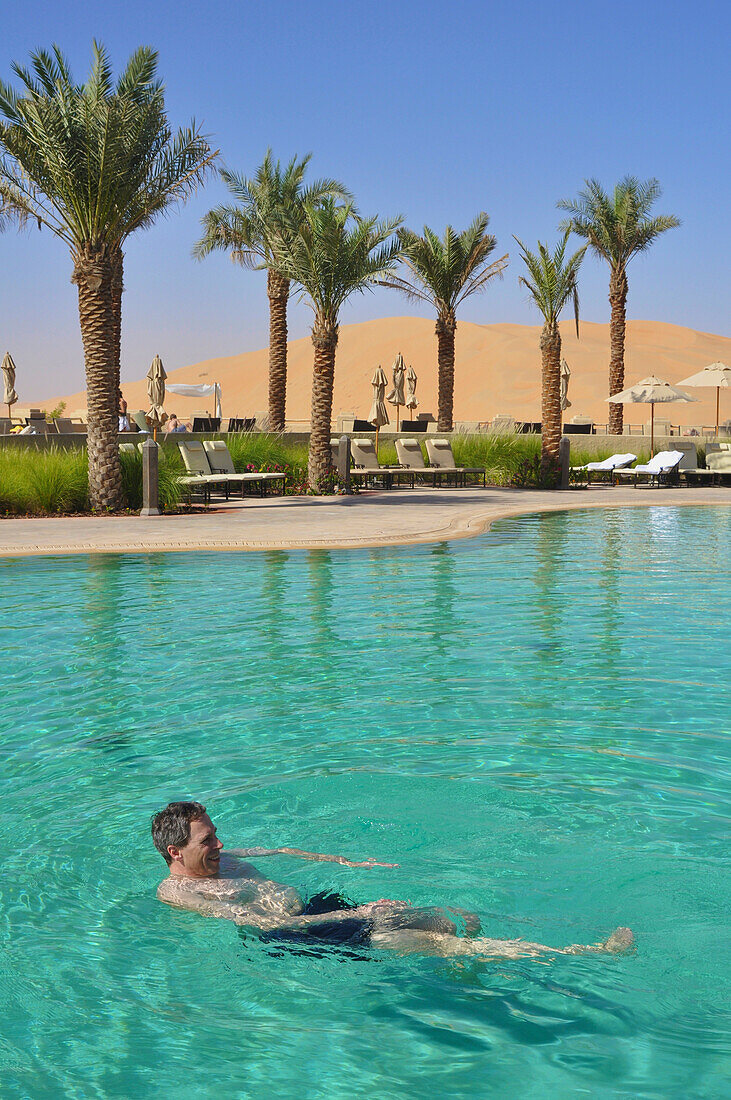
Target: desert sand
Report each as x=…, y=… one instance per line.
x=497, y=371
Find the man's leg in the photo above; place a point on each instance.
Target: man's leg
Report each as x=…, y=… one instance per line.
x=413, y=942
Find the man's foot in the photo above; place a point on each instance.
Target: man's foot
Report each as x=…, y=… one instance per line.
x=620, y=941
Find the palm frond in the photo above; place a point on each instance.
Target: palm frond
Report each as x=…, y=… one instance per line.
x=552, y=278
x=336, y=254
x=96, y=161
x=269, y=211
x=617, y=226
x=446, y=270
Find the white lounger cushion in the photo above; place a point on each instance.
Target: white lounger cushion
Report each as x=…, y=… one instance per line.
x=220, y=460
x=364, y=453
x=663, y=460
x=441, y=457
x=409, y=454
x=614, y=462
x=194, y=456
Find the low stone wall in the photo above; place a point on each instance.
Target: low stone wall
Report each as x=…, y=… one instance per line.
x=599, y=445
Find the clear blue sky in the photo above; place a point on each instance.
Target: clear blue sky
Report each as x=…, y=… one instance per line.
x=430, y=110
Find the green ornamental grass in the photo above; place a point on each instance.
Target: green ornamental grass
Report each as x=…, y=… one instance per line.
x=54, y=481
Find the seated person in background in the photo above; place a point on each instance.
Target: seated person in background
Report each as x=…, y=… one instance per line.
x=122, y=409
x=207, y=880
x=172, y=424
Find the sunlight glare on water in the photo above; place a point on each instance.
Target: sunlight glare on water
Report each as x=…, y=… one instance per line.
x=533, y=724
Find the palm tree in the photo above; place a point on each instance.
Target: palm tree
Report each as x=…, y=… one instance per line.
x=92, y=163
x=269, y=206
x=617, y=227
x=443, y=272
x=334, y=255
x=551, y=282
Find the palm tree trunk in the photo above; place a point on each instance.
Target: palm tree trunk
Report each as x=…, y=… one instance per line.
x=278, y=291
x=93, y=274
x=325, y=340
x=445, y=329
x=618, y=301
x=551, y=397
x=117, y=288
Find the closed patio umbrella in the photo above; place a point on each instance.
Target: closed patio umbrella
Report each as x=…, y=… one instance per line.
x=411, y=379
x=379, y=413
x=718, y=375
x=8, y=369
x=156, y=392
x=565, y=376
x=650, y=391
x=396, y=396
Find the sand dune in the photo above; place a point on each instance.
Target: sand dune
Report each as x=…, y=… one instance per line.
x=498, y=370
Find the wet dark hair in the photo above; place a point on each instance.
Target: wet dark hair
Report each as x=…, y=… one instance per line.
x=172, y=826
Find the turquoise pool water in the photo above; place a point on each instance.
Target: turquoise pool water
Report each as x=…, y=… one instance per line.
x=533, y=724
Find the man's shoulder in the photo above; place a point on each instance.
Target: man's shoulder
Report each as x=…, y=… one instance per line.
x=176, y=886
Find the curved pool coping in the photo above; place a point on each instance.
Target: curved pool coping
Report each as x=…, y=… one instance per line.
x=397, y=518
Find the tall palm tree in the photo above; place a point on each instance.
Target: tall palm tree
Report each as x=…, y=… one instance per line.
x=334, y=255
x=551, y=282
x=617, y=227
x=93, y=163
x=269, y=206
x=443, y=272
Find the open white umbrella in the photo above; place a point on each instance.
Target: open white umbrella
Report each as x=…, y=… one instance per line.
x=565, y=376
x=8, y=369
x=411, y=379
x=379, y=413
x=650, y=391
x=156, y=392
x=717, y=375
x=396, y=396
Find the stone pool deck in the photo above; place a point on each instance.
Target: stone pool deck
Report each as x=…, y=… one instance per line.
x=365, y=519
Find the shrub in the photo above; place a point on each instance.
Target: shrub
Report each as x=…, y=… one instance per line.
x=55, y=481
x=43, y=482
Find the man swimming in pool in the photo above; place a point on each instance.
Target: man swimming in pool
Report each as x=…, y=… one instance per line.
x=217, y=883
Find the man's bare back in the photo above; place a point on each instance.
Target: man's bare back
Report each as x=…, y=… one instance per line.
x=207, y=880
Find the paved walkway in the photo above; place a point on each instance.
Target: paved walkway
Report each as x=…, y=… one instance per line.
x=366, y=519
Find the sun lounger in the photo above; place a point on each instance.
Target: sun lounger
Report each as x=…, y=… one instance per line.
x=220, y=462
x=441, y=458
x=660, y=470
x=606, y=466
x=199, y=474
x=718, y=460
x=127, y=449
x=688, y=468
x=366, y=466
x=410, y=455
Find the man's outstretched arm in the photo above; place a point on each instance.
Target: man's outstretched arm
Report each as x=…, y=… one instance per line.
x=257, y=853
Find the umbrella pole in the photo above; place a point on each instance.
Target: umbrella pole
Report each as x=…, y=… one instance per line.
x=652, y=429
x=718, y=405
x=377, y=430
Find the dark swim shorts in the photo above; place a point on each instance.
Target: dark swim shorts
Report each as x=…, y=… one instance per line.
x=351, y=932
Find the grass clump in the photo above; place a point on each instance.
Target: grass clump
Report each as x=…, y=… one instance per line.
x=54, y=482
x=167, y=478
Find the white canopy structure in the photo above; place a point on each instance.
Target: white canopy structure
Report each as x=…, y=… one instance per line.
x=212, y=389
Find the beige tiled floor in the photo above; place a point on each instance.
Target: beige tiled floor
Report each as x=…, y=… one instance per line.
x=366, y=519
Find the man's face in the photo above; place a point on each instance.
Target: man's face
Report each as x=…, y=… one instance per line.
x=200, y=856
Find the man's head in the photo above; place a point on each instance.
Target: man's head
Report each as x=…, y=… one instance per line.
x=185, y=837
